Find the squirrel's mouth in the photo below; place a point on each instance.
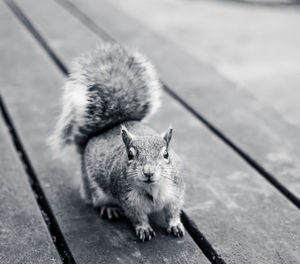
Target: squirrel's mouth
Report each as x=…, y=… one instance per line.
x=149, y=181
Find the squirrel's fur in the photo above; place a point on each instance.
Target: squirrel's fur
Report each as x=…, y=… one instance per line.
x=126, y=166
x=105, y=87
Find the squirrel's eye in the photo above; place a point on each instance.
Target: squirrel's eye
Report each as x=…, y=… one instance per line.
x=130, y=154
x=166, y=154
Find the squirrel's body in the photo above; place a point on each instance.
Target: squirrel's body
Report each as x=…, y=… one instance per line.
x=126, y=165
x=111, y=174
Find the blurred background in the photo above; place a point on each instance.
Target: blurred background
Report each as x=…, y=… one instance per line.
x=253, y=43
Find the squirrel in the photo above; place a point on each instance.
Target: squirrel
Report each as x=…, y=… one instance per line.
x=127, y=167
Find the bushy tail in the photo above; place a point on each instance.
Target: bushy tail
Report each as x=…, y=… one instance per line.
x=106, y=87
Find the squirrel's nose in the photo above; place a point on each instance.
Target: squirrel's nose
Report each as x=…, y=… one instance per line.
x=148, y=171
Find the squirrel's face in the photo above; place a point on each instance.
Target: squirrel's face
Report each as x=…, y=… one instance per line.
x=148, y=157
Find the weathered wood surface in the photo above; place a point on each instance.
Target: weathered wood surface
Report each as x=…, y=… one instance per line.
x=31, y=87
x=260, y=132
x=245, y=218
x=24, y=237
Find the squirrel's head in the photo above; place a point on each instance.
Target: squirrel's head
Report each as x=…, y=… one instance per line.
x=149, y=161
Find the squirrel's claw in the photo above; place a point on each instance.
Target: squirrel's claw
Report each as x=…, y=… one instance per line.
x=145, y=233
x=177, y=230
x=110, y=212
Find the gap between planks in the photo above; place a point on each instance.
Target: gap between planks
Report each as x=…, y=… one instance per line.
x=47, y=213
x=96, y=29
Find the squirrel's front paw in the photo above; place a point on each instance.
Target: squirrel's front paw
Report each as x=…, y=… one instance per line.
x=176, y=230
x=144, y=232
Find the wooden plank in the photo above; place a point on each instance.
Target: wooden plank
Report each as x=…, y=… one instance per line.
x=24, y=237
x=245, y=218
x=256, y=129
x=32, y=91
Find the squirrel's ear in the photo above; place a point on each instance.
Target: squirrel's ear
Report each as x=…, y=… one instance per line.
x=168, y=135
x=126, y=136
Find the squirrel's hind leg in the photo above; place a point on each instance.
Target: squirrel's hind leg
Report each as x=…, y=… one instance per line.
x=93, y=194
x=111, y=211
x=109, y=207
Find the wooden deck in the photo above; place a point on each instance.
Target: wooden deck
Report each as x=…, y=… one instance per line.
x=242, y=199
